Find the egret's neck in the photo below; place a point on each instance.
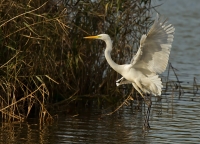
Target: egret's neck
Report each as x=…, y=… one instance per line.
x=108, y=50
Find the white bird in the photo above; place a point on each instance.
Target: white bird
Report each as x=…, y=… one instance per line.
x=150, y=60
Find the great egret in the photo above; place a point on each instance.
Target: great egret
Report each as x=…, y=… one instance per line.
x=150, y=60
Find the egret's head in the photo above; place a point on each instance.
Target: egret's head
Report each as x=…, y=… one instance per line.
x=100, y=36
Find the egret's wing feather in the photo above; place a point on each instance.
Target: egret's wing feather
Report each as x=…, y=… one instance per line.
x=155, y=47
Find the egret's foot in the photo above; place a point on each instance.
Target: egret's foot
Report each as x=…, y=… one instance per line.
x=146, y=126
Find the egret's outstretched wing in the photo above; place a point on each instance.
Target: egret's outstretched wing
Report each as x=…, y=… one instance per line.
x=154, y=50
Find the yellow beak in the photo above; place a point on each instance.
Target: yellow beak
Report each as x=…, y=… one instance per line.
x=92, y=37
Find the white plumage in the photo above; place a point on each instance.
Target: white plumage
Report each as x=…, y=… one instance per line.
x=150, y=60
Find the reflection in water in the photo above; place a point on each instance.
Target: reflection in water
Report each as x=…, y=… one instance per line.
x=122, y=127
x=172, y=119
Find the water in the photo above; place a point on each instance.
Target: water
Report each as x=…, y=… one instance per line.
x=184, y=15
x=172, y=120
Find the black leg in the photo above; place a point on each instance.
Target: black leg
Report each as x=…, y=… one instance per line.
x=138, y=102
x=146, y=120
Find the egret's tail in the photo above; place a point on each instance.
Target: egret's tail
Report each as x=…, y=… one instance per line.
x=153, y=84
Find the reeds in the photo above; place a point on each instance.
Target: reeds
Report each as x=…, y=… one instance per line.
x=180, y=87
x=29, y=56
x=45, y=60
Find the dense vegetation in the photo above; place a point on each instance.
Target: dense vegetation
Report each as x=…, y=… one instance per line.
x=44, y=59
